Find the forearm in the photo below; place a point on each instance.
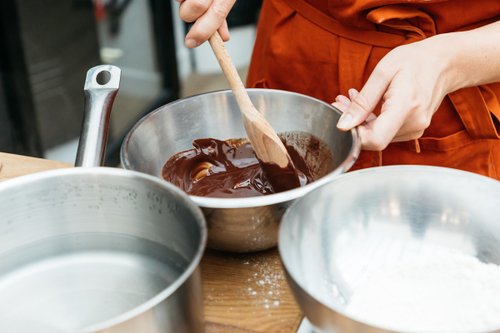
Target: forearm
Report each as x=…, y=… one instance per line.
x=473, y=56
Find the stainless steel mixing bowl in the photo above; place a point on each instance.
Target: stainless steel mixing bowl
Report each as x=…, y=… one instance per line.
x=240, y=224
x=371, y=220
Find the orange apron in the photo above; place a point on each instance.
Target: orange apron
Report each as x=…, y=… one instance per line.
x=322, y=48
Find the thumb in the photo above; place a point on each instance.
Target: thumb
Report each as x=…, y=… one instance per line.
x=363, y=103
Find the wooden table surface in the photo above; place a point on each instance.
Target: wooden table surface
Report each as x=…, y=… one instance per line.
x=242, y=293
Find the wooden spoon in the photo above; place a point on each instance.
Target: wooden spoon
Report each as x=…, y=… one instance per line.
x=268, y=147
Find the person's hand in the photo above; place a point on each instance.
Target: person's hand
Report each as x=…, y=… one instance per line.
x=208, y=16
x=410, y=81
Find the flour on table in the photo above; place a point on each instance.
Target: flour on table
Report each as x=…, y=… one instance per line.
x=265, y=283
x=441, y=293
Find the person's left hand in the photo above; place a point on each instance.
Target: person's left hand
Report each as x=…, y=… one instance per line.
x=410, y=81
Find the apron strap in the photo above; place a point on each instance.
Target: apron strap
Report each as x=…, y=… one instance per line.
x=476, y=106
x=415, y=23
x=370, y=37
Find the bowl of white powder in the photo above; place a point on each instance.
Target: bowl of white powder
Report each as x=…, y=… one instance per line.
x=397, y=249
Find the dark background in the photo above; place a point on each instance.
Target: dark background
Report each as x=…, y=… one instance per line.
x=47, y=46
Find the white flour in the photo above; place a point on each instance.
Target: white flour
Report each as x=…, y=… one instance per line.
x=441, y=293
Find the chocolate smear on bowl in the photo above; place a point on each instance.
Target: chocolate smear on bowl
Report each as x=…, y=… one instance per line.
x=230, y=169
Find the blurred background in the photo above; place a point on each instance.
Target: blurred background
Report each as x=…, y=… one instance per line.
x=46, y=48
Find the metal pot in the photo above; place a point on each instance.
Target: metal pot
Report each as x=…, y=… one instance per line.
x=99, y=249
x=370, y=221
x=239, y=224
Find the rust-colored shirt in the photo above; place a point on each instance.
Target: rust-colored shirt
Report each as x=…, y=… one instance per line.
x=324, y=47
x=448, y=15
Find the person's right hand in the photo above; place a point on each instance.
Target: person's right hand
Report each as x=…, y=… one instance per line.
x=208, y=16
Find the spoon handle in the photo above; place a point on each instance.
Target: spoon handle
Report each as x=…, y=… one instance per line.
x=265, y=142
x=231, y=73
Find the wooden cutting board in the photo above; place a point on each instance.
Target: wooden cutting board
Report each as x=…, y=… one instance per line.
x=242, y=293
x=16, y=165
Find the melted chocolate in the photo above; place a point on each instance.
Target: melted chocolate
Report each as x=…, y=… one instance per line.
x=216, y=168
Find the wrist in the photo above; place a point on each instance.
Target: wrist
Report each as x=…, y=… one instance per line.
x=471, y=57
x=452, y=61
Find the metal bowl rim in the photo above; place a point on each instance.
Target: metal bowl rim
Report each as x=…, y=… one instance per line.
x=27, y=180
x=260, y=201
x=405, y=168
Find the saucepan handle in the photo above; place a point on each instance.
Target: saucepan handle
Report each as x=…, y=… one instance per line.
x=101, y=86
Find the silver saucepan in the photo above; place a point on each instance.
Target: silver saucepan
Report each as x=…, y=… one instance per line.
x=99, y=249
x=243, y=224
x=384, y=222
